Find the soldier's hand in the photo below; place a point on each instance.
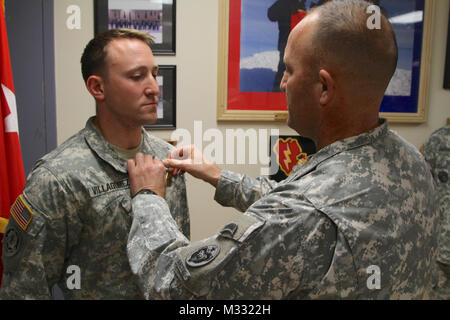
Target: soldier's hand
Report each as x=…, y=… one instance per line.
x=190, y=159
x=147, y=173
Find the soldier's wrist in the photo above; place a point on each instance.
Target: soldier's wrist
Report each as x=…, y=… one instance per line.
x=145, y=191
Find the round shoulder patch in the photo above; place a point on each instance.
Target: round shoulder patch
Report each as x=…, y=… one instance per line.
x=13, y=242
x=202, y=256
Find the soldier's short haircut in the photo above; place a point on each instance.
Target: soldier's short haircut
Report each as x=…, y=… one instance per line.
x=343, y=37
x=93, y=58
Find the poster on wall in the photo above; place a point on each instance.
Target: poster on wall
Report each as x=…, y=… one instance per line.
x=253, y=36
x=157, y=17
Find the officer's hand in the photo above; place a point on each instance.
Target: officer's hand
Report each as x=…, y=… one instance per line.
x=147, y=173
x=190, y=159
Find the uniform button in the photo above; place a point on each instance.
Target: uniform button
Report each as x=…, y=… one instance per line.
x=443, y=176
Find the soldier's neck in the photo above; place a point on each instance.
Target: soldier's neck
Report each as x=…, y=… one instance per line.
x=119, y=135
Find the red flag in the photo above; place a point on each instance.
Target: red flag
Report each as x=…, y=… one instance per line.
x=12, y=177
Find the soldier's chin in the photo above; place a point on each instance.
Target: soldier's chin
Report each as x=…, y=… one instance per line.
x=150, y=119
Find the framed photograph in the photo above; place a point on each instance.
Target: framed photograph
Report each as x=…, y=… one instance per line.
x=287, y=152
x=252, y=39
x=157, y=17
x=447, y=59
x=166, y=78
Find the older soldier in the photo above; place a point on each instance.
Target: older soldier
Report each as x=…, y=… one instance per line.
x=357, y=221
x=437, y=154
x=74, y=214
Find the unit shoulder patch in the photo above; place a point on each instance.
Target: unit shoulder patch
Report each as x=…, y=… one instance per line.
x=202, y=256
x=12, y=242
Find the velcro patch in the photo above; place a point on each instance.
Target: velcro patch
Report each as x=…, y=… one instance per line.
x=21, y=213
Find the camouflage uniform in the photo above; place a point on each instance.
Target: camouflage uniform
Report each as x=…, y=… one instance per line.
x=80, y=197
x=360, y=212
x=437, y=154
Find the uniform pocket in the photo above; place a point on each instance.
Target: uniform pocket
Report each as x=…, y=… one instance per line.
x=113, y=221
x=109, y=227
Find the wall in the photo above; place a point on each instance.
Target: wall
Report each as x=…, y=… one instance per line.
x=196, y=60
x=74, y=105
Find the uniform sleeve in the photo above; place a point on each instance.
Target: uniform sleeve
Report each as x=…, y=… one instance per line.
x=177, y=201
x=437, y=154
x=33, y=257
x=241, y=191
x=282, y=246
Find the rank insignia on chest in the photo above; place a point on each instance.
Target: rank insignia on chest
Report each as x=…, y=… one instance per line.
x=21, y=213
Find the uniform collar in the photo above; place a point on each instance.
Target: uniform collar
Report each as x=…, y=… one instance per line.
x=103, y=149
x=341, y=146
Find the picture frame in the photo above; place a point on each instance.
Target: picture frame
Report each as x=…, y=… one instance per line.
x=167, y=80
x=447, y=58
x=407, y=103
x=158, y=17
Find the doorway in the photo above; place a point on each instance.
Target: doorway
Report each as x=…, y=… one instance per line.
x=30, y=29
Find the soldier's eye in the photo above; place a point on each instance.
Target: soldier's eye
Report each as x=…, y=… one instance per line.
x=137, y=77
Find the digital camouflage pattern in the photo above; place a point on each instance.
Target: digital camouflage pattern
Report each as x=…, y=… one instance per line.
x=437, y=154
x=81, y=200
x=360, y=202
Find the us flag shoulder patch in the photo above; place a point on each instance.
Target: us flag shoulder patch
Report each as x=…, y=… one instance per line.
x=21, y=213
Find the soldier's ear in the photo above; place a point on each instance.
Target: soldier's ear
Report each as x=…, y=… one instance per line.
x=328, y=87
x=96, y=88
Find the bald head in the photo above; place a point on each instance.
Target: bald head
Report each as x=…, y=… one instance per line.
x=337, y=70
x=343, y=42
